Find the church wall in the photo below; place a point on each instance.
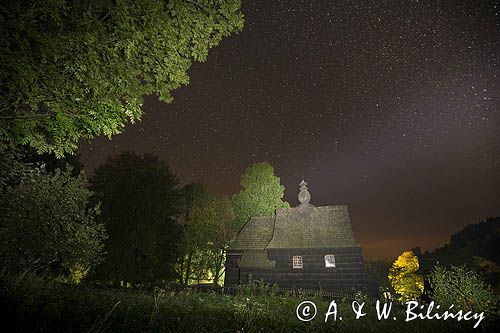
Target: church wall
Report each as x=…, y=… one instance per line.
x=235, y=276
x=348, y=275
x=232, y=273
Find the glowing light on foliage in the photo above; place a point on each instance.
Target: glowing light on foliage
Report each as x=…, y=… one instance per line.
x=260, y=195
x=75, y=70
x=77, y=273
x=404, y=279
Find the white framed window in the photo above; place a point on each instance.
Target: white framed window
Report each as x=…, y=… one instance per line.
x=297, y=262
x=329, y=260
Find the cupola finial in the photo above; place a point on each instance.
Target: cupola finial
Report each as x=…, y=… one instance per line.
x=304, y=195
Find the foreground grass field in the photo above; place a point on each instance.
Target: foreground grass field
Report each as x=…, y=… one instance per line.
x=30, y=304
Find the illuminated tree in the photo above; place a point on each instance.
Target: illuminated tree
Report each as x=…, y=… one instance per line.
x=78, y=69
x=262, y=193
x=195, y=219
x=209, y=225
x=224, y=229
x=404, y=279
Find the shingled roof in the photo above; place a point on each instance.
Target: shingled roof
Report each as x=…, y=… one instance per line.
x=297, y=227
x=312, y=227
x=256, y=259
x=255, y=234
x=304, y=226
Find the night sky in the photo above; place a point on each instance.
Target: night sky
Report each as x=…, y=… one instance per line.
x=390, y=107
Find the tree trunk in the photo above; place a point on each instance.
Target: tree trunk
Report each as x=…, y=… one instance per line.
x=188, y=268
x=181, y=270
x=218, y=266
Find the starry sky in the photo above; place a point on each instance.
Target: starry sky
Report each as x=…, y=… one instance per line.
x=390, y=107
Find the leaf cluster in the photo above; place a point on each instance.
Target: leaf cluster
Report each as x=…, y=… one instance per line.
x=209, y=225
x=404, y=279
x=261, y=193
x=74, y=70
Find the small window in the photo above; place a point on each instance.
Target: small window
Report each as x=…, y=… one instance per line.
x=297, y=262
x=329, y=260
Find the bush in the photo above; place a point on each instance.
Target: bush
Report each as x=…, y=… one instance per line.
x=46, y=223
x=461, y=287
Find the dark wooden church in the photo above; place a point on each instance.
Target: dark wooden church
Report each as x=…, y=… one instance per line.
x=299, y=247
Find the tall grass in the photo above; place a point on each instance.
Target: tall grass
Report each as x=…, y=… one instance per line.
x=29, y=303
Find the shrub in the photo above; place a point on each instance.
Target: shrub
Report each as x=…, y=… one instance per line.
x=461, y=287
x=47, y=223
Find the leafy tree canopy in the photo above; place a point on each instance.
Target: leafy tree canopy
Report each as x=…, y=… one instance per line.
x=209, y=225
x=139, y=202
x=224, y=230
x=215, y=222
x=77, y=69
x=197, y=203
x=404, y=279
x=261, y=193
x=46, y=220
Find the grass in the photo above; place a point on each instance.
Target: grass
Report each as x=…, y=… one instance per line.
x=30, y=304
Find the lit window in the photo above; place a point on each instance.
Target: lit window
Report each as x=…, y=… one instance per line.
x=297, y=262
x=329, y=260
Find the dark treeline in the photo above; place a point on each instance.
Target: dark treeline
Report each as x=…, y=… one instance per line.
x=478, y=239
x=129, y=223
x=475, y=247
x=132, y=224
